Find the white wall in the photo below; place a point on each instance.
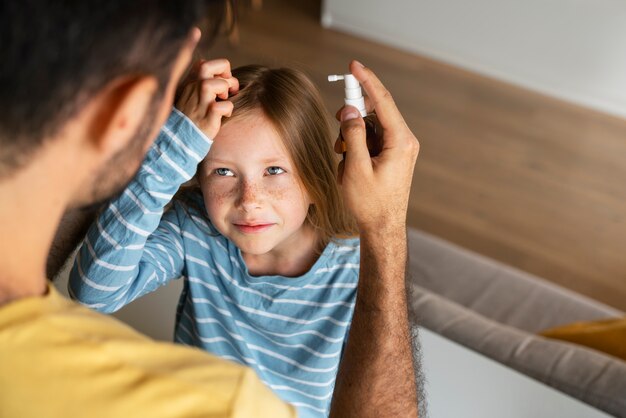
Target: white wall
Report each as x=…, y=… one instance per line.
x=571, y=49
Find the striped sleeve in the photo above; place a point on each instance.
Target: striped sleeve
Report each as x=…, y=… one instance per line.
x=133, y=247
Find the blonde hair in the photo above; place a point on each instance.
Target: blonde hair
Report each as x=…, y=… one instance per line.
x=293, y=104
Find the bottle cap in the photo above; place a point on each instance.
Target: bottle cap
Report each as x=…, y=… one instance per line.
x=353, y=94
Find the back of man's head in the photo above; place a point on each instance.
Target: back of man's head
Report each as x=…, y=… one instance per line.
x=56, y=54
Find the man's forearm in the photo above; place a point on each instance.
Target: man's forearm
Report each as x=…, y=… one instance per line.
x=71, y=231
x=376, y=376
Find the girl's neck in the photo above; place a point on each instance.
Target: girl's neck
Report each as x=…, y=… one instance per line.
x=291, y=258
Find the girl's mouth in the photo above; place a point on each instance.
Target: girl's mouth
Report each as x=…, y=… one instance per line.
x=253, y=228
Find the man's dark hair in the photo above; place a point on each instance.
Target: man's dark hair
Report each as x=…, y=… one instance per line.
x=57, y=53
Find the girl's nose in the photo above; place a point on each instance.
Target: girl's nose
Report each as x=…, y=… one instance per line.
x=250, y=196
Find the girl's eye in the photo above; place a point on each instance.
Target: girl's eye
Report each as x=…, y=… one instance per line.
x=272, y=171
x=224, y=172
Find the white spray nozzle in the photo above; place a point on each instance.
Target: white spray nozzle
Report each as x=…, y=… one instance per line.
x=353, y=96
x=335, y=77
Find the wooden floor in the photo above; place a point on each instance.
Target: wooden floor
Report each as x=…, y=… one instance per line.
x=525, y=179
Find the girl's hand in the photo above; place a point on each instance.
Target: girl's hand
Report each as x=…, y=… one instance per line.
x=204, y=94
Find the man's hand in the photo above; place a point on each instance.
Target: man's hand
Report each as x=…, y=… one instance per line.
x=376, y=375
x=376, y=189
x=204, y=94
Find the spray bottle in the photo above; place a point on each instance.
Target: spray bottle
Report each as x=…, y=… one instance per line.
x=354, y=97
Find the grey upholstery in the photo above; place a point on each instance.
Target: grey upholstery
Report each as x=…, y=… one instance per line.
x=497, y=310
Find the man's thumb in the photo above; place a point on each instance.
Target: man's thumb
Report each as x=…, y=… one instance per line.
x=353, y=133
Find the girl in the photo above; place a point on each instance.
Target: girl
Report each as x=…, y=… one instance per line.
x=260, y=237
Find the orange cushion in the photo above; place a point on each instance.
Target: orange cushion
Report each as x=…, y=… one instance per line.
x=608, y=335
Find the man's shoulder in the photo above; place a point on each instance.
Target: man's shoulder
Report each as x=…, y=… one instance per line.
x=84, y=363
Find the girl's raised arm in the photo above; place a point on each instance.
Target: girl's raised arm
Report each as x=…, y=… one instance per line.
x=133, y=247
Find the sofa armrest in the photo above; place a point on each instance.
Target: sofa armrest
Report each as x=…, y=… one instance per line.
x=496, y=291
x=585, y=374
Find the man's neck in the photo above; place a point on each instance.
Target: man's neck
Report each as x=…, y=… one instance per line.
x=32, y=202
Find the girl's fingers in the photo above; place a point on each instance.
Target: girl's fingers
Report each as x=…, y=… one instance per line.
x=214, y=68
x=218, y=68
x=192, y=75
x=213, y=120
x=206, y=82
x=233, y=85
x=209, y=90
x=187, y=92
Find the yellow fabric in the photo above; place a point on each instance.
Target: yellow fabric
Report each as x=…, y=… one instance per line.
x=608, y=336
x=58, y=359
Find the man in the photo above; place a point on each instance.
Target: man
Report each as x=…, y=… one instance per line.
x=83, y=92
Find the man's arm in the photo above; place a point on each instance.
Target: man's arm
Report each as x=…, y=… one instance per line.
x=376, y=376
x=70, y=233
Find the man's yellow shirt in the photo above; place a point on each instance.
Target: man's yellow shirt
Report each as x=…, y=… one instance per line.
x=59, y=359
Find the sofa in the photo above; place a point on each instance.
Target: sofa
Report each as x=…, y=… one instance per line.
x=498, y=311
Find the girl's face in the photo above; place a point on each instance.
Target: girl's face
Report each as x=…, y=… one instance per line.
x=251, y=189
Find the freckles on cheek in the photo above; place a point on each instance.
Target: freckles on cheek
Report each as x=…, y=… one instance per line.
x=291, y=194
x=279, y=193
x=217, y=196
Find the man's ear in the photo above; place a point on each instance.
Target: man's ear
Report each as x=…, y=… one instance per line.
x=118, y=112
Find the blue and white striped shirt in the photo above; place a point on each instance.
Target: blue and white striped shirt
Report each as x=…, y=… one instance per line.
x=289, y=330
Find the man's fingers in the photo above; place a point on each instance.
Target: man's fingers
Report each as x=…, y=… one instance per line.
x=340, y=169
x=353, y=132
x=379, y=98
x=369, y=105
x=339, y=145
